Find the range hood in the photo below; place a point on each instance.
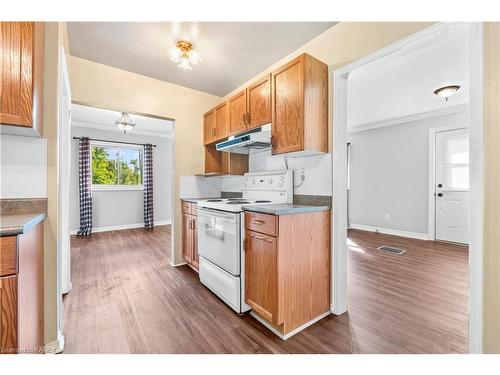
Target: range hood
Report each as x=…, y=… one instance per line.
x=259, y=138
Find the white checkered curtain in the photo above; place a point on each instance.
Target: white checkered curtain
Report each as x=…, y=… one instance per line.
x=85, y=188
x=148, y=186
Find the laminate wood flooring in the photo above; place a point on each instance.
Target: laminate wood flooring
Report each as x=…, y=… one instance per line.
x=126, y=298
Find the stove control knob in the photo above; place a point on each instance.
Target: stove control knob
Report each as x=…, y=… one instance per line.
x=270, y=180
x=280, y=184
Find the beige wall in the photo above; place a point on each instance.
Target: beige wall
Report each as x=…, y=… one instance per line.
x=53, y=35
x=111, y=88
x=491, y=254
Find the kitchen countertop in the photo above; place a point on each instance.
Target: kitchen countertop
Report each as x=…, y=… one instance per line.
x=194, y=200
x=284, y=209
x=14, y=224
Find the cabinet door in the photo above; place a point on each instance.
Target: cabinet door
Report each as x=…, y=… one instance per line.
x=21, y=70
x=196, y=257
x=221, y=121
x=288, y=107
x=208, y=127
x=8, y=315
x=187, y=238
x=237, y=113
x=213, y=160
x=261, y=275
x=259, y=103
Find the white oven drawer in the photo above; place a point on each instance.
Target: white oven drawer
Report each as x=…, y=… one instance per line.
x=222, y=283
x=219, y=239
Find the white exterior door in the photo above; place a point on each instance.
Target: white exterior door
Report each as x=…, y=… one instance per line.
x=452, y=186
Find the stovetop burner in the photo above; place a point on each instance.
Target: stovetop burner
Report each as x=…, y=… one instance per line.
x=262, y=201
x=214, y=200
x=238, y=202
x=234, y=199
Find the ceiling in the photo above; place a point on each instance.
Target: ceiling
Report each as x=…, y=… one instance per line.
x=402, y=84
x=104, y=119
x=232, y=52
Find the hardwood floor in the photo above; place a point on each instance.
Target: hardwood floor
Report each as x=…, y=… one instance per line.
x=126, y=298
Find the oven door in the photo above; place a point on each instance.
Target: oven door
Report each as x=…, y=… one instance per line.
x=219, y=238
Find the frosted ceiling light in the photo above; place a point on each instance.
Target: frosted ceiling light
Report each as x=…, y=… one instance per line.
x=184, y=55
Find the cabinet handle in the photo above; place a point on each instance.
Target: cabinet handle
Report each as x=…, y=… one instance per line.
x=191, y=226
x=262, y=238
x=258, y=222
x=273, y=141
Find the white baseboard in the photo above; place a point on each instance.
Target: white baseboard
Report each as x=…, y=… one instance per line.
x=394, y=232
x=122, y=227
x=55, y=347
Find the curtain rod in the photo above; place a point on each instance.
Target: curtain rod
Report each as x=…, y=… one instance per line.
x=125, y=143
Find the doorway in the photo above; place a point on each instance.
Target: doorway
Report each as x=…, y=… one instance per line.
x=340, y=247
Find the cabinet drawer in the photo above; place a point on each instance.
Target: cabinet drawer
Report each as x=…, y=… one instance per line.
x=186, y=207
x=8, y=255
x=262, y=223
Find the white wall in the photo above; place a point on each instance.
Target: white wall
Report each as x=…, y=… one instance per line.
x=23, y=167
x=389, y=174
x=317, y=170
x=124, y=208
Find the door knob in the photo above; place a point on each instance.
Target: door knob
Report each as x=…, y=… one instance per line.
x=440, y=185
x=440, y=194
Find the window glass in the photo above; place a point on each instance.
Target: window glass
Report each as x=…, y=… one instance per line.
x=116, y=165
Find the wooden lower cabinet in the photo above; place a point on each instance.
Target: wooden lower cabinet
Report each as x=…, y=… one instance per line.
x=190, y=234
x=8, y=315
x=287, y=275
x=21, y=292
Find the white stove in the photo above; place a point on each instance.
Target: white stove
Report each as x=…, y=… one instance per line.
x=258, y=188
x=221, y=232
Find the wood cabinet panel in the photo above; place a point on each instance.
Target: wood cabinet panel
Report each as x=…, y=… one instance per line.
x=260, y=275
x=187, y=238
x=8, y=315
x=8, y=255
x=196, y=257
x=263, y=223
x=21, y=46
x=221, y=121
x=259, y=103
x=234, y=164
x=209, y=131
x=213, y=160
x=288, y=107
x=237, y=112
x=300, y=106
x=186, y=207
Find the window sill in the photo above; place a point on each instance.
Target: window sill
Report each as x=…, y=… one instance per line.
x=117, y=188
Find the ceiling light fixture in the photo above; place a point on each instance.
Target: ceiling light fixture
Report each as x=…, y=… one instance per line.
x=124, y=122
x=446, y=92
x=184, y=55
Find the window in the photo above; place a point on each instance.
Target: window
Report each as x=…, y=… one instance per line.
x=116, y=166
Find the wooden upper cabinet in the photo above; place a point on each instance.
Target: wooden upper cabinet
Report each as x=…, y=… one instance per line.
x=259, y=103
x=237, y=113
x=300, y=106
x=221, y=121
x=209, y=131
x=261, y=283
x=21, y=46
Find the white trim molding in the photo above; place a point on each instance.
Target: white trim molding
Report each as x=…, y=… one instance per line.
x=55, y=347
x=78, y=124
x=414, y=117
x=125, y=226
x=393, y=232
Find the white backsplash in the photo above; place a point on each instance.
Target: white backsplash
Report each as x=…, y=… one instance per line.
x=199, y=187
x=317, y=170
x=23, y=167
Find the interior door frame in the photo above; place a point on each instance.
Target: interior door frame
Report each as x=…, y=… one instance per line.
x=339, y=232
x=432, y=175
